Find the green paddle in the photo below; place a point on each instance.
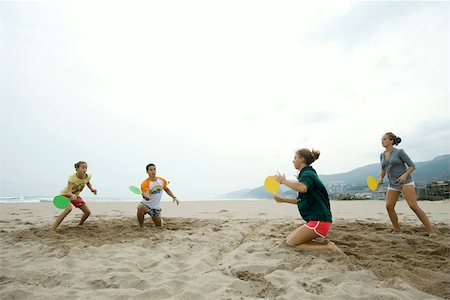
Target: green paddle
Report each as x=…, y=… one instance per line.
x=61, y=202
x=135, y=189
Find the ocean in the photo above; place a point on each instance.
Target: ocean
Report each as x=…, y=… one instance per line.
x=38, y=199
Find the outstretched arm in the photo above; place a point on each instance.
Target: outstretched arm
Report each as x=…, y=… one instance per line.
x=169, y=192
x=89, y=185
x=297, y=186
x=285, y=200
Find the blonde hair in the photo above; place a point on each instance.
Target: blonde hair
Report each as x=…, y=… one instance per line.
x=309, y=156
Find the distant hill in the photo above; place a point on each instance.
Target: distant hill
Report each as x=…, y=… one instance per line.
x=237, y=194
x=257, y=193
x=426, y=172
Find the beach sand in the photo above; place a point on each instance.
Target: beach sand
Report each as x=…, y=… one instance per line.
x=220, y=250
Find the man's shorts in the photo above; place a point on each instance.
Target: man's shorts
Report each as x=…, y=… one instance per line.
x=321, y=228
x=77, y=203
x=154, y=212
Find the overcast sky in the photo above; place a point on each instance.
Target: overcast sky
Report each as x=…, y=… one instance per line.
x=218, y=94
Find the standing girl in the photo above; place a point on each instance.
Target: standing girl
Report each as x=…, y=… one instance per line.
x=312, y=202
x=75, y=185
x=393, y=163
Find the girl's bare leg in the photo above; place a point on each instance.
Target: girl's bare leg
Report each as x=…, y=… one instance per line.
x=292, y=233
x=86, y=213
x=302, y=238
x=61, y=217
x=409, y=192
x=391, y=200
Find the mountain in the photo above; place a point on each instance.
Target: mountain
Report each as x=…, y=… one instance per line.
x=425, y=172
x=257, y=193
x=236, y=195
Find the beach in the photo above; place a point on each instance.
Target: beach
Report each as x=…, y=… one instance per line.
x=221, y=250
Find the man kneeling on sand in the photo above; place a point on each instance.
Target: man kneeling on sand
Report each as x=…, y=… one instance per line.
x=152, y=189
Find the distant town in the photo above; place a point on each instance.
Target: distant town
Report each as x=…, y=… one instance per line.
x=436, y=190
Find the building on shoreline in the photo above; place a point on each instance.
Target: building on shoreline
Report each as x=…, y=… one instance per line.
x=437, y=190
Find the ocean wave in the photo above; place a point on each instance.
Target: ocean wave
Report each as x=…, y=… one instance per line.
x=19, y=200
x=31, y=199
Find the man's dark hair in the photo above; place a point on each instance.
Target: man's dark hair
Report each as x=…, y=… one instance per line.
x=148, y=166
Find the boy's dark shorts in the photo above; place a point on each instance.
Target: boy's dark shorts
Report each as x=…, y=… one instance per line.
x=154, y=212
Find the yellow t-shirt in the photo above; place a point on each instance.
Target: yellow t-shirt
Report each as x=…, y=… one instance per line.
x=78, y=184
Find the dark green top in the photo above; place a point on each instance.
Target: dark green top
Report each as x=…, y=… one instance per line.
x=314, y=205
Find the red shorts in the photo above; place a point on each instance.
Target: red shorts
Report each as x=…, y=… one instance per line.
x=77, y=203
x=319, y=227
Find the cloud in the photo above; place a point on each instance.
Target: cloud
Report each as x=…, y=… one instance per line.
x=428, y=138
x=218, y=95
x=364, y=20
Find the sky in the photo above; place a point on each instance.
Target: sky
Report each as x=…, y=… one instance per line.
x=218, y=94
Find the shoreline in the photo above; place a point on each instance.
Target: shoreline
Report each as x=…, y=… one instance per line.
x=373, y=210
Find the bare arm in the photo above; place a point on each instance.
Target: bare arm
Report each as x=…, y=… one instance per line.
x=89, y=185
x=411, y=166
x=285, y=200
x=382, y=174
x=295, y=185
x=169, y=192
x=408, y=172
x=69, y=191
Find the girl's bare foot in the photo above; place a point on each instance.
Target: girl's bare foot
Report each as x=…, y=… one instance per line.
x=396, y=231
x=335, y=248
x=434, y=233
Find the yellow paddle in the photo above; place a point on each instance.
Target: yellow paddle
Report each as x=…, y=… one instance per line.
x=271, y=185
x=372, y=183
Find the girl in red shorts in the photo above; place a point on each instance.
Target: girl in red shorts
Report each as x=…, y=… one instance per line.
x=313, y=204
x=75, y=185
